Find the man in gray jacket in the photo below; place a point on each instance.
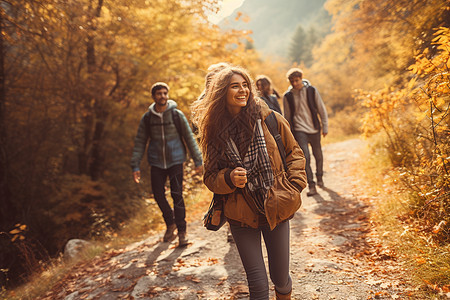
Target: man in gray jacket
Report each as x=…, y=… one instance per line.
x=302, y=108
x=168, y=134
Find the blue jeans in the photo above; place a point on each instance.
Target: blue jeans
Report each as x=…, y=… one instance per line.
x=303, y=139
x=159, y=178
x=248, y=243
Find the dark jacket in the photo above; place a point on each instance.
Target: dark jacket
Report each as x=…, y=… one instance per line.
x=316, y=108
x=165, y=145
x=272, y=102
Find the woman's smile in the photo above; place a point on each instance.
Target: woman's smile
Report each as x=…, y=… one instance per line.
x=242, y=98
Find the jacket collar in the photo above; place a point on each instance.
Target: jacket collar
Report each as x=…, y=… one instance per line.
x=171, y=104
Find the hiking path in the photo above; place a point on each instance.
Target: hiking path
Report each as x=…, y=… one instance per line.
x=334, y=253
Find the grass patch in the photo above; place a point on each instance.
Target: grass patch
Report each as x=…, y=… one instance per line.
x=41, y=282
x=426, y=260
x=343, y=125
x=331, y=139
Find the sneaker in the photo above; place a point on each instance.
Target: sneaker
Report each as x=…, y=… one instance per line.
x=170, y=235
x=320, y=182
x=312, y=191
x=182, y=239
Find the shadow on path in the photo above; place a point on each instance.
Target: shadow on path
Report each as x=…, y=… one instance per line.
x=343, y=216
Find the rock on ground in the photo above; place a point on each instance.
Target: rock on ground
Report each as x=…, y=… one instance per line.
x=74, y=247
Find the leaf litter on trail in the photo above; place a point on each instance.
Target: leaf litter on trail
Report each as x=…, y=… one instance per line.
x=193, y=279
x=222, y=280
x=239, y=289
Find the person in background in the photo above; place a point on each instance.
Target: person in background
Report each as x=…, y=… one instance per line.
x=307, y=116
x=267, y=92
x=260, y=195
x=212, y=70
x=166, y=131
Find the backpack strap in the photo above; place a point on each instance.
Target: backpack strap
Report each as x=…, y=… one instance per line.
x=177, y=121
x=290, y=101
x=311, y=95
x=147, y=122
x=272, y=124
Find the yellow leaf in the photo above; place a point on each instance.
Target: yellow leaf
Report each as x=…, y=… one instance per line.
x=412, y=83
x=420, y=260
x=15, y=231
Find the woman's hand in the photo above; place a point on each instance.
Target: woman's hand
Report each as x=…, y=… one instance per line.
x=239, y=177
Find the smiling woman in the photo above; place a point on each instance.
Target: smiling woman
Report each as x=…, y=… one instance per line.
x=261, y=195
x=226, y=9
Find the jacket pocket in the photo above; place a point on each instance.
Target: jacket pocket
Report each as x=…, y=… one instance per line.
x=284, y=199
x=175, y=151
x=154, y=153
x=237, y=209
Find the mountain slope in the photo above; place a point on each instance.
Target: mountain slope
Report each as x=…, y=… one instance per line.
x=273, y=22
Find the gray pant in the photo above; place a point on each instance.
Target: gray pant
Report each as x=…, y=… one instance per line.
x=303, y=139
x=248, y=242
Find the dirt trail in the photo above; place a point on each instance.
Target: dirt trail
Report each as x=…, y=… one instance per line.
x=332, y=254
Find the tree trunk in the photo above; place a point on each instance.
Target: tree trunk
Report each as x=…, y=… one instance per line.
x=94, y=163
x=6, y=207
x=96, y=166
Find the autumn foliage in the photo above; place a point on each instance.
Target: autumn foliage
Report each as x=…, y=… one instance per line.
x=416, y=122
x=392, y=60
x=75, y=79
x=74, y=82
x=388, y=61
x=392, y=57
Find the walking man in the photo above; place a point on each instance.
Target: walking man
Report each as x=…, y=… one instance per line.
x=307, y=115
x=168, y=134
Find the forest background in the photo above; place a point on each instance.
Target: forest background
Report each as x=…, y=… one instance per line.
x=75, y=79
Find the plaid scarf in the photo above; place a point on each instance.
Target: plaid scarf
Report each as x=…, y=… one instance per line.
x=257, y=163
